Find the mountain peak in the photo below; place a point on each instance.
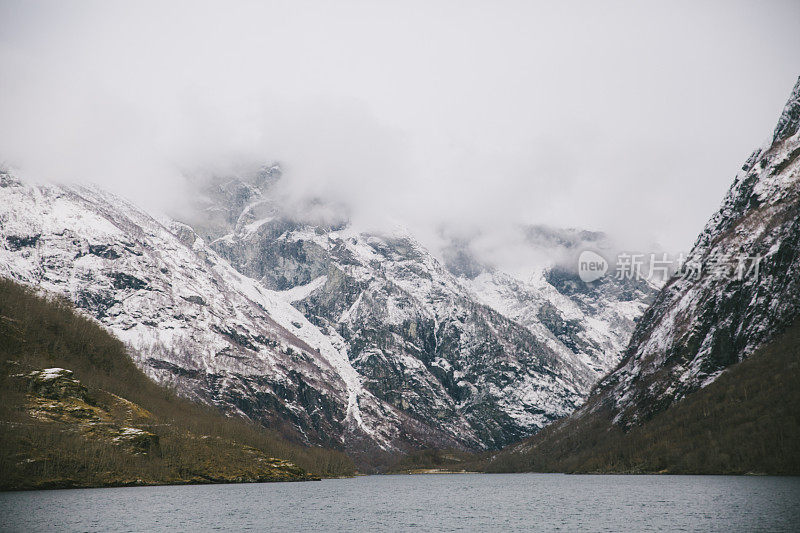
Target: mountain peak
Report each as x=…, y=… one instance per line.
x=789, y=121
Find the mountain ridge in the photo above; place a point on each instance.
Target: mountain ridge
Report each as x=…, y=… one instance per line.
x=738, y=295
x=77, y=412
x=364, y=342
x=385, y=294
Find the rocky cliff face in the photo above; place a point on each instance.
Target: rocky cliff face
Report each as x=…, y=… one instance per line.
x=360, y=341
x=191, y=320
x=592, y=321
x=739, y=290
x=465, y=347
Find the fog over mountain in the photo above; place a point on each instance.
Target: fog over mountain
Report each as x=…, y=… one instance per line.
x=384, y=244
x=458, y=121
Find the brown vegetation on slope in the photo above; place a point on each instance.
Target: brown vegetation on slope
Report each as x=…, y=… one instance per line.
x=747, y=421
x=68, y=438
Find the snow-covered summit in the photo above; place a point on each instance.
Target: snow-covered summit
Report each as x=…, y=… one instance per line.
x=489, y=357
x=362, y=341
x=740, y=290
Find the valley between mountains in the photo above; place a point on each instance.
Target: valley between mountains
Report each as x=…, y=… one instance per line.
x=371, y=344
x=361, y=342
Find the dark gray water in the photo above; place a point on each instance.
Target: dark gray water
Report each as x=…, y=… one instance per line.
x=469, y=502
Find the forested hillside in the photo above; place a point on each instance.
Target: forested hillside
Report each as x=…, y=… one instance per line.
x=747, y=421
x=75, y=411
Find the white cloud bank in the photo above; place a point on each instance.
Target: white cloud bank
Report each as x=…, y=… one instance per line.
x=626, y=117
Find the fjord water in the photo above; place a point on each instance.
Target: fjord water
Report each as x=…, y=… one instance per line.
x=468, y=502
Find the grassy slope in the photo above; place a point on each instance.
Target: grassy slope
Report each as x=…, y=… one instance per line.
x=748, y=420
x=196, y=443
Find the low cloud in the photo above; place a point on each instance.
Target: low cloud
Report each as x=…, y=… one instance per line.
x=458, y=121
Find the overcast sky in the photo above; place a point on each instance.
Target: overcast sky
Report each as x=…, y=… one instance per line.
x=629, y=117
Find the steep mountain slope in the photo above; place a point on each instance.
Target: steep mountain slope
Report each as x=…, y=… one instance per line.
x=191, y=320
x=389, y=353
x=592, y=320
x=746, y=421
x=739, y=292
x=488, y=369
x=747, y=293
x=340, y=338
x=75, y=411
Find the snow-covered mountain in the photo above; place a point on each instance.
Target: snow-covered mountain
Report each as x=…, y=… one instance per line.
x=593, y=320
x=191, y=319
x=488, y=357
x=740, y=288
x=360, y=341
x=678, y=401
